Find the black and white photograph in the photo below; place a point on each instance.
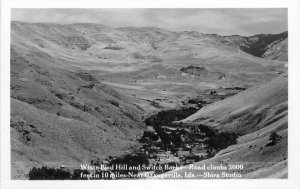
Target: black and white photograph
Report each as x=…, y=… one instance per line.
x=148, y=94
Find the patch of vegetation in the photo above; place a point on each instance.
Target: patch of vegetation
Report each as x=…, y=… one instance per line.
x=26, y=129
x=218, y=141
x=77, y=174
x=58, y=95
x=187, y=68
x=194, y=70
x=98, y=109
x=129, y=115
x=274, y=138
x=115, y=103
x=45, y=173
x=80, y=106
x=196, y=101
x=86, y=77
x=113, y=47
x=147, y=134
x=155, y=104
x=32, y=100
x=236, y=88
x=89, y=86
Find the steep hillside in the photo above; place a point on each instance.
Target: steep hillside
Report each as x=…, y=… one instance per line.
x=253, y=114
x=80, y=91
x=277, y=51
x=62, y=117
x=258, y=45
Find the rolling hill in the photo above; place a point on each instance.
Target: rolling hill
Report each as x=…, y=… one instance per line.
x=81, y=91
x=63, y=117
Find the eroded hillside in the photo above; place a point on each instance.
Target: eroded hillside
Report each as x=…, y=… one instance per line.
x=254, y=115
x=81, y=91
x=263, y=45
x=63, y=117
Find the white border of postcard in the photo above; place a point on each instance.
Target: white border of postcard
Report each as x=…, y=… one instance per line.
x=294, y=99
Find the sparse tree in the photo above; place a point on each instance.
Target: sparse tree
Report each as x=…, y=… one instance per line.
x=274, y=137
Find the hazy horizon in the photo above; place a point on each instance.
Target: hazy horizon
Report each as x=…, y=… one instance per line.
x=240, y=21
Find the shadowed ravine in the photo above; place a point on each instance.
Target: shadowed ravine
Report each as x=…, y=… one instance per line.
x=92, y=94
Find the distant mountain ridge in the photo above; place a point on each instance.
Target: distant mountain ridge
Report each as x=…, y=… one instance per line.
x=84, y=35
x=81, y=91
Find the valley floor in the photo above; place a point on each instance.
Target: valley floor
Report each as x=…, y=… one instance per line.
x=83, y=92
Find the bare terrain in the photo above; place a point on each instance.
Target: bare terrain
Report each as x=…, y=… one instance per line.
x=82, y=91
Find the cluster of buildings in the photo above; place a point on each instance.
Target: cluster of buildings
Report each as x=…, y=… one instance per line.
x=192, y=148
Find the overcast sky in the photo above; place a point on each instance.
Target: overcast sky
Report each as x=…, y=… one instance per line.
x=219, y=21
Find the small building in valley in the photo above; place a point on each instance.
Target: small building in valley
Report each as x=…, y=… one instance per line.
x=181, y=153
x=161, y=156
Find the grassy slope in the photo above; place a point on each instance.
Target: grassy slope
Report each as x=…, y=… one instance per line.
x=46, y=59
x=42, y=137
x=254, y=114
